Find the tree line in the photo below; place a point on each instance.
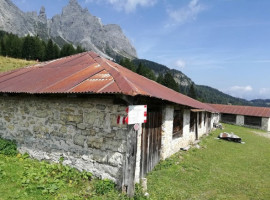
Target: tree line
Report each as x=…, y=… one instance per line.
x=164, y=79
x=33, y=48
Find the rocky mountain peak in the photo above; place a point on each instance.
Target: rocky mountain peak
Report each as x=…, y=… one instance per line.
x=75, y=25
x=73, y=6
x=73, y=2
x=42, y=15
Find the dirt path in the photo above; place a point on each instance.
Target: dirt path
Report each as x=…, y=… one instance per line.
x=267, y=135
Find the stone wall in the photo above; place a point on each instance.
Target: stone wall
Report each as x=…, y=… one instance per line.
x=83, y=131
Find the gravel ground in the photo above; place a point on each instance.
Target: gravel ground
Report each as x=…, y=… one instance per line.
x=267, y=135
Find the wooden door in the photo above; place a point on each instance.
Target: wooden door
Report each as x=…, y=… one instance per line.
x=151, y=142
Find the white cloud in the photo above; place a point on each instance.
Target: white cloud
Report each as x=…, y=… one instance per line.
x=241, y=88
x=180, y=63
x=265, y=91
x=186, y=13
x=240, y=91
x=126, y=5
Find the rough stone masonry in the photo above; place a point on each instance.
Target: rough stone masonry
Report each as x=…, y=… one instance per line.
x=83, y=131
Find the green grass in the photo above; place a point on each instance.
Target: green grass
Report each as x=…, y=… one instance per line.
x=7, y=64
x=25, y=178
x=219, y=170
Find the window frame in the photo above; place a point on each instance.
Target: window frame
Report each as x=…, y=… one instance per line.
x=178, y=123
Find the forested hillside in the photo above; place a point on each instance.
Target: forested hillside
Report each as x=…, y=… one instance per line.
x=261, y=102
x=33, y=48
x=188, y=87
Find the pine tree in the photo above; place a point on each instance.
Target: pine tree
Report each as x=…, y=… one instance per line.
x=169, y=82
x=146, y=72
x=160, y=78
x=49, y=52
x=79, y=49
x=192, y=92
x=56, y=51
x=127, y=64
x=67, y=50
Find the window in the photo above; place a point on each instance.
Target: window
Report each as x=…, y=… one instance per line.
x=228, y=118
x=200, y=119
x=253, y=121
x=177, y=123
x=192, y=121
x=209, y=119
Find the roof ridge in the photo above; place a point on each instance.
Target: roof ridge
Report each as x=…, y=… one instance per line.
x=121, y=81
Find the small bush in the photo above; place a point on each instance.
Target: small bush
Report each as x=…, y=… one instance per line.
x=8, y=147
x=49, y=178
x=104, y=186
x=139, y=194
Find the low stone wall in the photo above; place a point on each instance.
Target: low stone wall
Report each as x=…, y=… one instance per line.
x=83, y=131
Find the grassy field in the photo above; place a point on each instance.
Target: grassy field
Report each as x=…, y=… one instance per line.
x=7, y=64
x=219, y=170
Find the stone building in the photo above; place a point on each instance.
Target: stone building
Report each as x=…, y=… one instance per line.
x=249, y=116
x=70, y=108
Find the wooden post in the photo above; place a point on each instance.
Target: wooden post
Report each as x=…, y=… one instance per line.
x=196, y=127
x=128, y=185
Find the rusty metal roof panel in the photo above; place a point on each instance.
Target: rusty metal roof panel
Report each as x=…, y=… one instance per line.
x=71, y=81
x=243, y=110
x=88, y=73
x=92, y=86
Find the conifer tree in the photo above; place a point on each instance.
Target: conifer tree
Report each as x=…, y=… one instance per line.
x=49, y=52
x=127, y=64
x=67, y=50
x=192, y=92
x=79, y=49
x=169, y=82
x=56, y=51
x=146, y=72
x=160, y=78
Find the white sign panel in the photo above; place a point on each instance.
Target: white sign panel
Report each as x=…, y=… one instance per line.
x=137, y=114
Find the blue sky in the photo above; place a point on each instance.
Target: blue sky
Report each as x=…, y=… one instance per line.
x=224, y=44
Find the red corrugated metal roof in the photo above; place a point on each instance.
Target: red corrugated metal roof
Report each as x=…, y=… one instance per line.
x=242, y=110
x=88, y=73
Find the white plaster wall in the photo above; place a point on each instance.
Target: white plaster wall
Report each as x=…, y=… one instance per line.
x=240, y=119
x=166, y=131
x=202, y=129
x=213, y=119
x=170, y=145
x=266, y=124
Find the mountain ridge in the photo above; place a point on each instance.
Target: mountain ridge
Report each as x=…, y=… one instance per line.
x=74, y=25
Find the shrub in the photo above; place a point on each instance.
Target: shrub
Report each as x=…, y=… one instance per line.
x=104, y=186
x=8, y=147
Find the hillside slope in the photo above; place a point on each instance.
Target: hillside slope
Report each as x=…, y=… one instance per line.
x=7, y=64
x=204, y=93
